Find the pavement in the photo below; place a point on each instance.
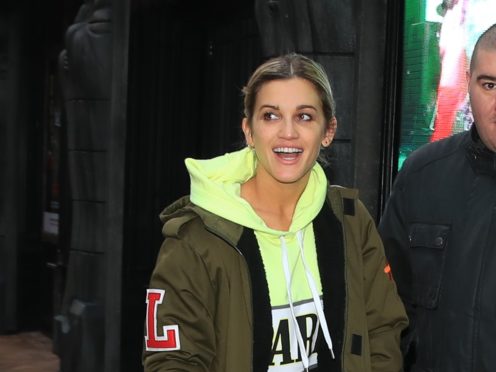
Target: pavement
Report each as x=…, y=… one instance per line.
x=27, y=352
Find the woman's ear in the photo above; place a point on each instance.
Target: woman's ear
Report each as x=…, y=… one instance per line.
x=245, y=126
x=330, y=132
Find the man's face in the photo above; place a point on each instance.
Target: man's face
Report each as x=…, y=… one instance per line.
x=482, y=91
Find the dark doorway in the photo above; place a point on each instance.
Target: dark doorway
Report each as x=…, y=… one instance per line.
x=188, y=63
x=31, y=124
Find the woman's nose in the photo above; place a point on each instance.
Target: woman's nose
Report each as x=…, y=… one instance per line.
x=288, y=129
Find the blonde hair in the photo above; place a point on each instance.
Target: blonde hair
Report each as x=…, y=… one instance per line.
x=286, y=67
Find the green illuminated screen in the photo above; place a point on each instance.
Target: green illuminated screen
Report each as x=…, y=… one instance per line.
x=439, y=37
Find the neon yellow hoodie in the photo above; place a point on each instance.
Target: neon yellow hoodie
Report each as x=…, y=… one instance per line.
x=289, y=257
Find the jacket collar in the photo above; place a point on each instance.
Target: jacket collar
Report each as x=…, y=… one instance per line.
x=178, y=213
x=225, y=229
x=481, y=159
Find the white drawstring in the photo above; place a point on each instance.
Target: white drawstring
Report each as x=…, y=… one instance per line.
x=287, y=276
x=315, y=295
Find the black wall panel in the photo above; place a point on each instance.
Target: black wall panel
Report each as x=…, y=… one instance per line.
x=5, y=262
x=341, y=69
x=19, y=183
x=88, y=226
x=85, y=74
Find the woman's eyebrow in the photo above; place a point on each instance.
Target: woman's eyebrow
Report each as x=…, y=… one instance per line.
x=274, y=107
x=300, y=107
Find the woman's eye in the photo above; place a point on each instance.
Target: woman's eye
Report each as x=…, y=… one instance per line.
x=269, y=116
x=305, y=117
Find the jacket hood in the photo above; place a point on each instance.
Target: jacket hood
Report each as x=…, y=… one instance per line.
x=216, y=183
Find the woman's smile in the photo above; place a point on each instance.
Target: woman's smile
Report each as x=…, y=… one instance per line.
x=288, y=154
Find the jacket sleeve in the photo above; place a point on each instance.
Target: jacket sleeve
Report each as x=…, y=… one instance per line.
x=393, y=229
x=179, y=326
x=386, y=316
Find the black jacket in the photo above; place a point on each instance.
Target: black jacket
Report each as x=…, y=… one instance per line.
x=439, y=232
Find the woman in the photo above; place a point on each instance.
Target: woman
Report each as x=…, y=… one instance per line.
x=265, y=267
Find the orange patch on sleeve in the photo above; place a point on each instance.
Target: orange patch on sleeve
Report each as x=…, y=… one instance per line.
x=387, y=271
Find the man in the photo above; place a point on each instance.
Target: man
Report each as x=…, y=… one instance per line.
x=439, y=230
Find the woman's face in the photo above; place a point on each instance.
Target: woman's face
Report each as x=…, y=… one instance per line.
x=287, y=129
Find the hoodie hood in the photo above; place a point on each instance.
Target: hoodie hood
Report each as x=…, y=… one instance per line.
x=216, y=184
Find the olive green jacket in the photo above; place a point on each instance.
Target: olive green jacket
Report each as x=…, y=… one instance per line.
x=214, y=291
